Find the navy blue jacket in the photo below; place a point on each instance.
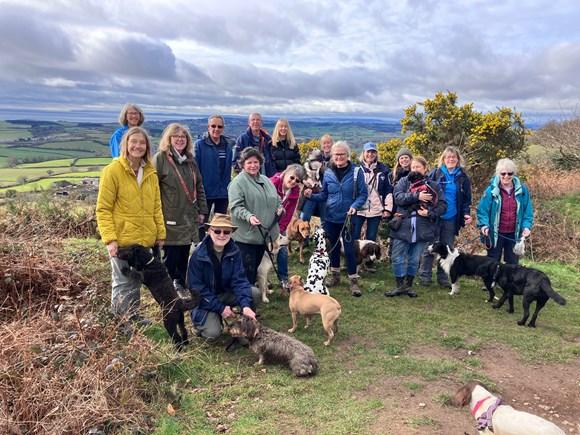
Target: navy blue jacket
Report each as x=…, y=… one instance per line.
x=341, y=195
x=206, y=154
x=265, y=147
x=200, y=277
x=463, y=184
x=406, y=202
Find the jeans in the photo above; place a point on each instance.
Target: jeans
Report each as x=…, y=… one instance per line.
x=505, y=243
x=446, y=234
x=333, y=233
x=282, y=262
x=251, y=257
x=311, y=208
x=406, y=257
x=126, y=290
x=372, y=227
x=220, y=205
x=176, y=258
x=209, y=324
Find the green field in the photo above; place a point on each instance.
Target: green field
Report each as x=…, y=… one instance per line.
x=80, y=145
x=46, y=182
x=10, y=132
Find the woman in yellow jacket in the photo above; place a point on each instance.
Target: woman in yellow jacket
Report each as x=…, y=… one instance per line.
x=128, y=213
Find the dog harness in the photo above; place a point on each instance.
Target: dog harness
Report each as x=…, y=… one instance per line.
x=485, y=420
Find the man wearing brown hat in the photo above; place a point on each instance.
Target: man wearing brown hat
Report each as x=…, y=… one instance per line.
x=217, y=273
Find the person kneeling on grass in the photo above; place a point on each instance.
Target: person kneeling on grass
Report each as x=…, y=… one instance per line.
x=216, y=271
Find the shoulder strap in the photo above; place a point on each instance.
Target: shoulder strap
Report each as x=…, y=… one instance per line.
x=191, y=195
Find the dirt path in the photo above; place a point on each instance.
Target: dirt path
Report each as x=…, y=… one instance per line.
x=551, y=391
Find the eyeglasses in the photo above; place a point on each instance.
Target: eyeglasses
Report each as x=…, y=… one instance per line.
x=219, y=232
x=339, y=154
x=217, y=126
x=506, y=174
x=178, y=137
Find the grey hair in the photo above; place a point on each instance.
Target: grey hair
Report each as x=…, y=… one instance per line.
x=505, y=165
x=254, y=114
x=216, y=117
x=341, y=144
x=297, y=170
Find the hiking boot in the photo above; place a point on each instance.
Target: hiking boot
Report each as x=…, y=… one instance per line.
x=354, y=288
x=425, y=282
x=334, y=278
x=409, y=285
x=444, y=283
x=400, y=289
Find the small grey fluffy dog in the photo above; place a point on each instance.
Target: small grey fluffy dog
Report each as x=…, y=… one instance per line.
x=275, y=347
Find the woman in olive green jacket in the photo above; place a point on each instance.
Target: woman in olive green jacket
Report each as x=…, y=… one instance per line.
x=129, y=212
x=255, y=208
x=182, y=198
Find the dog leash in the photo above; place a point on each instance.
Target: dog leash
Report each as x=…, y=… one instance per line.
x=270, y=256
x=347, y=236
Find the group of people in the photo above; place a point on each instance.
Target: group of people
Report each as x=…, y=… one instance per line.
x=165, y=201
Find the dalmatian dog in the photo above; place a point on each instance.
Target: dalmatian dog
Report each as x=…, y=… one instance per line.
x=318, y=265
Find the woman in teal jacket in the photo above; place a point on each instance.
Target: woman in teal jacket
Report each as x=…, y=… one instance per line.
x=505, y=212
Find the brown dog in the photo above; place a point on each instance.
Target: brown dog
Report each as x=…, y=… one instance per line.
x=307, y=304
x=298, y=230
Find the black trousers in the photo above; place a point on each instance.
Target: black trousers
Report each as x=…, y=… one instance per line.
x=220, y=206
x=251, y=258
x=176, y=258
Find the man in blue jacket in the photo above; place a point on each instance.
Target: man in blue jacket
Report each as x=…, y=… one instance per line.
x=214, y=154
x=255, y=136
x=217, y=273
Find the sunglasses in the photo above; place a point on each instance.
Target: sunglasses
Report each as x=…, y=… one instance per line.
x=219, y=232
x=506, y=174
x=217, y=126
x=294, y=178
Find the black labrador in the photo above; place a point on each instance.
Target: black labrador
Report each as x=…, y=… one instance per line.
x=533, y=284
x=154, y=276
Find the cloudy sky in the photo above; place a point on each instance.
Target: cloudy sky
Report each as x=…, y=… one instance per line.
x=288, y=57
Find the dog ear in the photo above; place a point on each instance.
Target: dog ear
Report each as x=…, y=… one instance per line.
x=463, y=396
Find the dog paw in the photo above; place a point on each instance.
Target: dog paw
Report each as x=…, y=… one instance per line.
x=531, y=325
x=495, y=306
x=265, y=300
x=521, y=323
x=291, y=330
x=326, y=343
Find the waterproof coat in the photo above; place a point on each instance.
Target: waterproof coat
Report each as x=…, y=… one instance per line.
x=253, y=196
x=115, y=141
x=340, y=196
x=201, y=277
x=406, y=202
x=489, y=209
x=463, y=198
x=215, y=182
x=264, y=146
x=179, y=213
x=126, y=212
x=283, y=155
x=379, y=189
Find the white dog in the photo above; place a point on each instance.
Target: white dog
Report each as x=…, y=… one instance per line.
x=495, y=418
x=266, y=266
x=318, y=265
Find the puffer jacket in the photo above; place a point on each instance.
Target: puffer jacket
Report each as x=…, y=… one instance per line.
x=489, y=209
x=463, y=185
x=179, y=213
x=340, y=196
x=201, y=277
x=424, y=226
x=379, y=188
x=253, y=196
x=215, y=182
x=126, y=212
x=283, y=155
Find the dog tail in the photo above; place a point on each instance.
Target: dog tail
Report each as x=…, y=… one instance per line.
x=547, y=288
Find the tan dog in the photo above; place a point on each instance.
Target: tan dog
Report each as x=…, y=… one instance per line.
x=298, y=230
x=308, y=304
x=266, y=266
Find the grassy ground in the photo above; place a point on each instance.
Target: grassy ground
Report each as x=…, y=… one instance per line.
x=378, y=339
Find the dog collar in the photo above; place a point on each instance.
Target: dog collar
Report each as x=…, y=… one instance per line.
x=478, y=405
x=485, y=420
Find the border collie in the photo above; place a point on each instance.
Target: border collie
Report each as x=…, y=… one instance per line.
x=457, y=264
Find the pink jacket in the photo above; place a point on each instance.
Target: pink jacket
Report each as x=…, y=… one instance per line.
x=289, y=202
